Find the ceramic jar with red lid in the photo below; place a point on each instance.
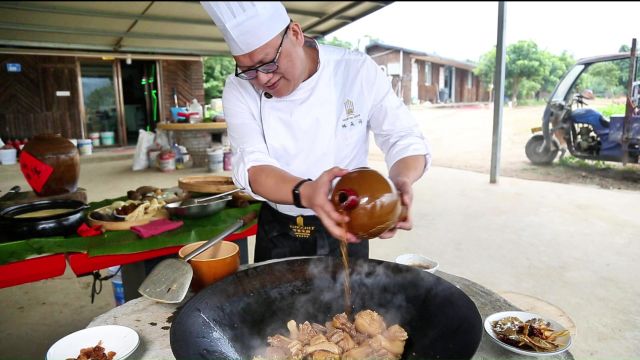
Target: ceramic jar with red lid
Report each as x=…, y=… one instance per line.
x=50, y=164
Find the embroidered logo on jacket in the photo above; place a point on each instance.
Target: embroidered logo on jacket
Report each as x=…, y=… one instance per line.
x=299, y=230
x=352, y=118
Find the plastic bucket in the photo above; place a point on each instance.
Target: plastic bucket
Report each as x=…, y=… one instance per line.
x=175, y=111
x=85, y=146
x=107, y=137
x=227, y=160
x=153, y=158
x=8, y=156
x=95, y=138
x=216, y=158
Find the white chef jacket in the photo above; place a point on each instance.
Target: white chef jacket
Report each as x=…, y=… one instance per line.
x=325, y=122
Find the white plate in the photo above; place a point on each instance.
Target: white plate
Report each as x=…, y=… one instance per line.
x=121, y=339
x=524, y=316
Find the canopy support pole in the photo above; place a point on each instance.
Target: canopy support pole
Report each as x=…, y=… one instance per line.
x=498, y=99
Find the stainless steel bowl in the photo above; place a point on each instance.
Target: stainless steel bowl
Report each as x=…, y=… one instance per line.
x=199, y=209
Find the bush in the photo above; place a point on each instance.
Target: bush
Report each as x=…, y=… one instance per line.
x=531, y=102
x=612, y=109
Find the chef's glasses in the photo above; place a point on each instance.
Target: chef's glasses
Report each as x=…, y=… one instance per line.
x=267, y=68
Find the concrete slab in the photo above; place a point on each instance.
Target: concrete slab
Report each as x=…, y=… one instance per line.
x=572, y=246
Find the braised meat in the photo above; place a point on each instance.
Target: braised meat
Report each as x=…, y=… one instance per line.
x=366, y=338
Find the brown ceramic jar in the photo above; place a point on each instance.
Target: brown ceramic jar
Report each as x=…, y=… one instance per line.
x=58, y=153
x=370, y=200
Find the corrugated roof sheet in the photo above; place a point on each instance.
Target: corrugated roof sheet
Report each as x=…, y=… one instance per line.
x=153, y=27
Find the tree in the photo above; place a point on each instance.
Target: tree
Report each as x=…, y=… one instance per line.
x=603, y=79
x=559, y=65
x=216, y=71
x=335, y=42
x=485, y=70
x=524, y=61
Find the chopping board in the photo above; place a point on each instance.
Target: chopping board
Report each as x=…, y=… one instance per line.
x=213, y=184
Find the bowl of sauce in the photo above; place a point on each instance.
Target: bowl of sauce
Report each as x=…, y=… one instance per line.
x=419, y=262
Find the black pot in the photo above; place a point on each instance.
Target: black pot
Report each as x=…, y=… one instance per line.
x=232, y=318
x=12, y=228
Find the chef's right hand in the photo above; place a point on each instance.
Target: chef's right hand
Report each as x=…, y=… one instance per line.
x=315, y=196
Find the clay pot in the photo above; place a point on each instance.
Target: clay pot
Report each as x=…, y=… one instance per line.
x=370, y=200
x=56, y=152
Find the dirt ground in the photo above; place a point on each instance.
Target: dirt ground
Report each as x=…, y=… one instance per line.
x=461, y=139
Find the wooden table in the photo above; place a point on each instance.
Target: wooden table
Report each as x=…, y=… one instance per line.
x=152, y=321
x=195, y=137
x=212, y=127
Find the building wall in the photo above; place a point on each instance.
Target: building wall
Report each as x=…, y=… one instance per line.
x=28, y=101
x=401, y=84
x=29, y=105
x=428, y=92
x=187, y=77
x=384, y=56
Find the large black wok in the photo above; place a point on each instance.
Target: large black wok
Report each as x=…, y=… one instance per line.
x=232, y=318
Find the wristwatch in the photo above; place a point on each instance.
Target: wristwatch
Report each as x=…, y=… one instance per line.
x=296, y=193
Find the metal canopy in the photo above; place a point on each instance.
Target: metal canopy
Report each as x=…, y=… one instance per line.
x=149, y=27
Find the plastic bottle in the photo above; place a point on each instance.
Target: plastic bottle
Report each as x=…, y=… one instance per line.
x=179, y=157
x=196, y=107
x=226, y=159
x=116, y=281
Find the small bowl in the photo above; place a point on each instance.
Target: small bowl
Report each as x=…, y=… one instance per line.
x=213, y=264
x=419, y=262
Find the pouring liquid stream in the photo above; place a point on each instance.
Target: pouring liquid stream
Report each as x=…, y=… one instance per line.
x=345, y=263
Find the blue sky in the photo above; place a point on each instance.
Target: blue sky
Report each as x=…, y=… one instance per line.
x=466, y=30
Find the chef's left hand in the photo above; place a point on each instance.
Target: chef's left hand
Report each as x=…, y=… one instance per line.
x=406, y=197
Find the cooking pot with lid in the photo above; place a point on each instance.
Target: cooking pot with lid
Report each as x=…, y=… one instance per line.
x=14, y=227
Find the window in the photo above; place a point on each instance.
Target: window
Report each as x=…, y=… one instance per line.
x=469, y=80
x=427, y=73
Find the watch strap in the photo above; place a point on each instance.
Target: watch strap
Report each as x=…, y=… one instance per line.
x=296, y=193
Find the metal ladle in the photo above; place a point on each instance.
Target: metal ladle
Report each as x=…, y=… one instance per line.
x=191, y=201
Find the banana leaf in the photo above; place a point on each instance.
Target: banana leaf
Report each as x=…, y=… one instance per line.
x=124, y=241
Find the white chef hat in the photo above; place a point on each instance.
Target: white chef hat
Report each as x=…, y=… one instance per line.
x=247, y=25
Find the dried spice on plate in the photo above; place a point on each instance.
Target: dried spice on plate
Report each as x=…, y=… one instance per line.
x=534, y=334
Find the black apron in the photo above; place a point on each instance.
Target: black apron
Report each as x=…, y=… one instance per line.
x=280, y=236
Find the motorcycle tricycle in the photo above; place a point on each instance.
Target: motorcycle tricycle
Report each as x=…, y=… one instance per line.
x=567, y=125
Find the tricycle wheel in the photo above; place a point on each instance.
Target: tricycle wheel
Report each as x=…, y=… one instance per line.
x=536, y=154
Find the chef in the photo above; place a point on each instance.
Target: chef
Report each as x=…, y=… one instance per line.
x=298, y=116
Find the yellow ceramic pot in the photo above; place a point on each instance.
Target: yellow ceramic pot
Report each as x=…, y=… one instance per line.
x=212, y=264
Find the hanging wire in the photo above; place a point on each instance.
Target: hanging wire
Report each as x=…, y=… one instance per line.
x=96, y=287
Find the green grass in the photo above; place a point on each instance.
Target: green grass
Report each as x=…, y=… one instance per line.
x=612, y=109
x=531, y=102
x=570, y=161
